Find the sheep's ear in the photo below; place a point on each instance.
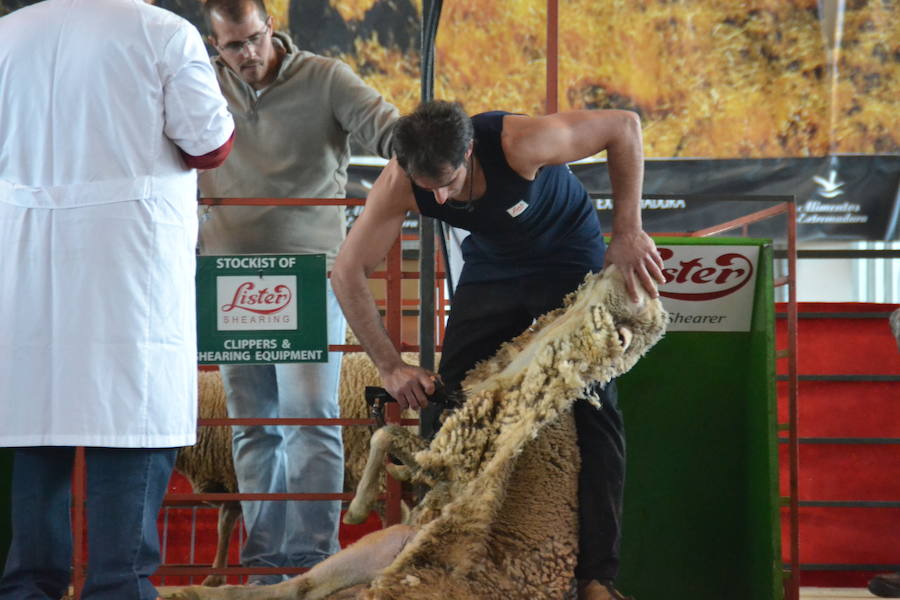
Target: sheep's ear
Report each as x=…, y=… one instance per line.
x=625, y=336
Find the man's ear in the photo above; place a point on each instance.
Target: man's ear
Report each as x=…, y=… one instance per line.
x=211, y=40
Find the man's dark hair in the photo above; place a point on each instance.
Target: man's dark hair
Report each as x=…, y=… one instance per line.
x=233, y=10
x=436, y=135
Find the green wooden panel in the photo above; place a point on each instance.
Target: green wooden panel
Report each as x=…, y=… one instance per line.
x=701, y=500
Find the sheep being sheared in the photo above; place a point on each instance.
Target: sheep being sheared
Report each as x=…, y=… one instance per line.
x=482, y=531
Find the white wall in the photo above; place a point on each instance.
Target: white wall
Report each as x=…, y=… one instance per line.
x=826, y=280
x=845, y=280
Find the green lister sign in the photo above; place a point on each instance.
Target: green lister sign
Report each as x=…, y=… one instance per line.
x=257, y=308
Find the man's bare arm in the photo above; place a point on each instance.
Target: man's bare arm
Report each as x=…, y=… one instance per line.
x=532, y=142
x=368, y=242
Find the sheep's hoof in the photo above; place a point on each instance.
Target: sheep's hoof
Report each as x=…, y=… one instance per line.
x=182, y=594
x=355, y=517
x=213, y=581
x=399, y=472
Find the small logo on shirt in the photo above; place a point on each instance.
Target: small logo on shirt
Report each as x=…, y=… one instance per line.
x=517, y=209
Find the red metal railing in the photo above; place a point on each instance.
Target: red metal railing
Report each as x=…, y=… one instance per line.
x=792, y=583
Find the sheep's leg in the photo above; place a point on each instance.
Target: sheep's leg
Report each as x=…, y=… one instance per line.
x=398, y=472
x=404, y=445
x=356, y=565
x=228, y=516
x=388, y=440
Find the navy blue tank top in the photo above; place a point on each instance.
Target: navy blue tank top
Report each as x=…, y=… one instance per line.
x=520, y=227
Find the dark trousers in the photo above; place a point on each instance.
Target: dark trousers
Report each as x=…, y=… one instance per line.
x=125, y=489
x=484, y=316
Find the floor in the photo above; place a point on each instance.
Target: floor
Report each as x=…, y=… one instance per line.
x=834, y=594
x=810, y=594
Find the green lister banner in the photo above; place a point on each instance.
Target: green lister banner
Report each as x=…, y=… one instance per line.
x=261, y=309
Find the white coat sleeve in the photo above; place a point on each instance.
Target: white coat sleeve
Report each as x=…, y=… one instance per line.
x=196, y=114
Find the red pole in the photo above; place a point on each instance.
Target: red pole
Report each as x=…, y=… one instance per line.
x=393, y=323
x=78, y=521
x=793, y=405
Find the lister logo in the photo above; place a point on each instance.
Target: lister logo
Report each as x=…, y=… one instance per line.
x=256, y=303
x=259, y=300
x=709, y=287
x=700, y=278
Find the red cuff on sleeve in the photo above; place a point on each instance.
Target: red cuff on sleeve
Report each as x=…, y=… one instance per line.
x=210, y=160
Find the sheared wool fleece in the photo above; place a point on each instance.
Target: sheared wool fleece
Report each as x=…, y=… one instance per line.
x=501, y=517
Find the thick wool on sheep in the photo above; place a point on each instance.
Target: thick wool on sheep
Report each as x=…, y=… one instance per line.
x=482, y=532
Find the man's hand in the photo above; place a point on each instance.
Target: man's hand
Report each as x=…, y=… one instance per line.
x=410, y=385
x=634, y=254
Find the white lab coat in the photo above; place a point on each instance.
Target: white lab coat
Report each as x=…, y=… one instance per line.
x=98, y=222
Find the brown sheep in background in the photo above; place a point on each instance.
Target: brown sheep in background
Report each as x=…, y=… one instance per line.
x=209, y=467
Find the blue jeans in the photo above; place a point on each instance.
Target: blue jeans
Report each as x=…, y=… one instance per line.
x=289, y=459
x=125, y=489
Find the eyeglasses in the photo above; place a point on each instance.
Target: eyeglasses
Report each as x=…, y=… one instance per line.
x=235, y=48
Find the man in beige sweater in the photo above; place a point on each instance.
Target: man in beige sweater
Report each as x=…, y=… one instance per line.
x=295, y=113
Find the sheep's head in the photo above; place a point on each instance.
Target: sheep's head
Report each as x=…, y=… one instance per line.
x=637, y=326
x=596, y=336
